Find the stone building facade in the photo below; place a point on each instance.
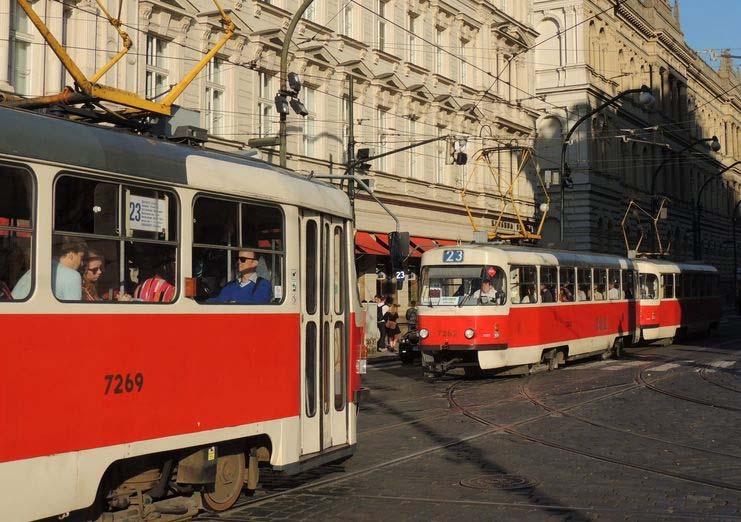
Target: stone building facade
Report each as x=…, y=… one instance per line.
x=421, y=69
x=592, y=50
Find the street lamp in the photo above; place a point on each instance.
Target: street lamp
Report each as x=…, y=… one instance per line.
x=714, y=146
x=646, y=99
x=734, y=216
x=698, y=209
x=288, y=82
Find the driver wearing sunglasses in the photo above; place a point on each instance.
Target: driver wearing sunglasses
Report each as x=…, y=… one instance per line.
x=248, y=287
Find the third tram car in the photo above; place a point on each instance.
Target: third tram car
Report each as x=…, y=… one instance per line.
x=512, y=308
x=171, y=317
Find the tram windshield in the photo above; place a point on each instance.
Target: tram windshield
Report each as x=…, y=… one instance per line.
x=472, y=285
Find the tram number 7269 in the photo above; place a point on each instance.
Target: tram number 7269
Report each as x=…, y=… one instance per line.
x=117, y=383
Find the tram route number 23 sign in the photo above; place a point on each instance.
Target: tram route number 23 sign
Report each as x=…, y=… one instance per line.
x=146, y=214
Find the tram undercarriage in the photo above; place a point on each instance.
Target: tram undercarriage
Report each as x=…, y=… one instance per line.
x=172, y=485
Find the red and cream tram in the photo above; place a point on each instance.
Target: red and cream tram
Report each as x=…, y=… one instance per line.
x=512, y=308
x=167, y=374
x=676, y=299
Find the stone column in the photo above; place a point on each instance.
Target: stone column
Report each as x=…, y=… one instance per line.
x=5, y=44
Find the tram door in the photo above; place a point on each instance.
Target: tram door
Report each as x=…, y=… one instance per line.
x=324, y=415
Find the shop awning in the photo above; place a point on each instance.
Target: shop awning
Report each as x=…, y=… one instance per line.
x=423, y=244
x=366, y=244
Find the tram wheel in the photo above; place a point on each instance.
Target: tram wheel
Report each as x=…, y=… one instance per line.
x=472, y=372
x=618, y=348
x=227, y=487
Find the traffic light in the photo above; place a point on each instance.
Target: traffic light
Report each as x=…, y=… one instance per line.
x=361, y=159
x=399, y=250
x=456, y=151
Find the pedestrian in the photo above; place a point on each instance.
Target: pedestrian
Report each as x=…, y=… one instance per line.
x=381, y=310
x=391, y=322
x=411, y=316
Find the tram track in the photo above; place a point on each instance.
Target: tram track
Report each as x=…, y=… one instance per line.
x=596, y=456
x=456, y=408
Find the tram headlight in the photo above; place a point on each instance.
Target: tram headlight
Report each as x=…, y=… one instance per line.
x=423, y=333
x=469, y=333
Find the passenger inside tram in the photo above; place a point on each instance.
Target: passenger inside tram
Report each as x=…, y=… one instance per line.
x=92, y=269
x=486, y=293
x=65, y=278
x=16, y=231
x=248, y=287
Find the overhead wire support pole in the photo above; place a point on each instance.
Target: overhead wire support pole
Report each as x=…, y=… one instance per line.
x=697, y=236
x=350, y=141
x=283, y=125
x=400, y=149
x=565, y=144
x=734, y=218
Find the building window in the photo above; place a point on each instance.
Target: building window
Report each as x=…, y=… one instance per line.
x=264, y=104
x=21, y=39
x=463, y=66
x=214, y=97
x=346, y=19
x=440, y=158
x=381, y=25
x=310, y=133
x=411, y=28
x=381, y=130
x=310, y=13
x=344, y=101
x=157, y=67
x=439, y=50
x=412, y=167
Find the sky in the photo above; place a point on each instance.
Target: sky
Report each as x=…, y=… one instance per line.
x=712, y=24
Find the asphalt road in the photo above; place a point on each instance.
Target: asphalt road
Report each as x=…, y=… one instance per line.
x=652, y=436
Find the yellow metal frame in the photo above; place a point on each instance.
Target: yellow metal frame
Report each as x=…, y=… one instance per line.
x=483, y=156
x=91, y=88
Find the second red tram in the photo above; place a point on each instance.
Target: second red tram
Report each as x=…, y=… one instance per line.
x=512, y=308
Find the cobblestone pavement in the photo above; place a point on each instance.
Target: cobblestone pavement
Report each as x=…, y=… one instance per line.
x=653, y=436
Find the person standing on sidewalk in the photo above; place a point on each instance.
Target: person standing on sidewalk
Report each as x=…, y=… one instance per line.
x=382, y=310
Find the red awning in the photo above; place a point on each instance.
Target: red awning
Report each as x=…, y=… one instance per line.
x=366, y=244
x=423, y=243
x=446, y=242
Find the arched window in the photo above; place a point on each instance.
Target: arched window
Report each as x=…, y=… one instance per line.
x=550, y=54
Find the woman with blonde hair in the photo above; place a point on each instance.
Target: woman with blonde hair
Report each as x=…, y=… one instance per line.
x=392, y=326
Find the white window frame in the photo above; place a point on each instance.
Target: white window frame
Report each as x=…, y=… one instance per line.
x=20, y=37
x=440, y=149
x=264, y=104
x=463, y=66
x=439, y=38
x=412, y=50
x=381, y=127
x=215, y=89
x=381, y=33
x=157, y=66
x=345, y=19
x=310, y=136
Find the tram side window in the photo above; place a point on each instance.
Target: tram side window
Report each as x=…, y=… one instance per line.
x=600, y=284
x=702, y=285
x=649, y=286
x=629, y=284
x=585, y=284
x=238, y=252
x=567, y=280
x=107, y=252
x=667, y=283
x=548, y=284
x=679, y=285
x=16, y=233
x=689, y=285
x=523, y=284
x=613, y=276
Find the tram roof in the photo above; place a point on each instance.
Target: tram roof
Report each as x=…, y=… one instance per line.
x=30, y=135
x=672, y=266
